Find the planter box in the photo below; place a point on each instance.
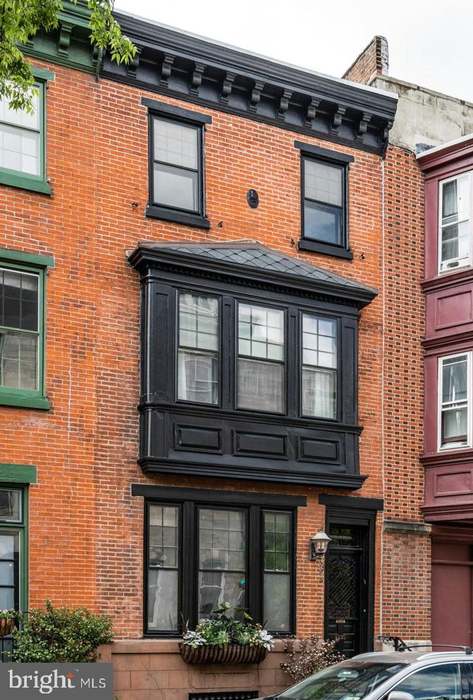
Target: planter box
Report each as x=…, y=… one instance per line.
x=223, y=654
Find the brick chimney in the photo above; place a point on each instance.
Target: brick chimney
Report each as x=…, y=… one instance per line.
x=372, y=61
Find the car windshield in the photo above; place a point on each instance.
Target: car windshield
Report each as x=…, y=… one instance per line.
x=346, y=681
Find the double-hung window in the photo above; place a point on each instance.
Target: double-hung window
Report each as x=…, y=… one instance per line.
x=324, y=177
x=176, y=164
x=22, y=329
x=455, y=222
x=319, y=366
x=198, y=350
x=22, y=143
x=237, y=554
x=454, y=401
x=261, y=358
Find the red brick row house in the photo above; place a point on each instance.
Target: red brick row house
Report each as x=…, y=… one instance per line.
x=200, y=352
x=448, y=384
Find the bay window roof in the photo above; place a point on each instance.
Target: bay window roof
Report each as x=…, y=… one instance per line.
x=242, y=258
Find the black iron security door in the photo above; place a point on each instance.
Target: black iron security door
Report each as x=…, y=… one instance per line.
x=347, y=588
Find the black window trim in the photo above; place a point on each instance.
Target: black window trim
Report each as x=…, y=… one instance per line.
x=161, y=110
x=342, y=161
x=189, y=501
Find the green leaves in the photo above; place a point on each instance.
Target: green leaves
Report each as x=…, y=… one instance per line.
x=220, y=629
x=57, y=635
x=21, y=20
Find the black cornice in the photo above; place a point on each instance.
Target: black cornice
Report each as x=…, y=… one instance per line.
x=211, y=74
x=143, y=258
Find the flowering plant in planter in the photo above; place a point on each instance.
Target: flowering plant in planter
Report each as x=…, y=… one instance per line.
x=225, y=639
x=8, y=621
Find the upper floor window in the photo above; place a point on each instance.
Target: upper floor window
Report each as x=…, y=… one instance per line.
x=176, y=166
x=454, y=401
x=324, y=201
x=22, y=334
x=198, y=349
x=455, y=222
x=319, y=366
x=260, y=358
x=22, y=144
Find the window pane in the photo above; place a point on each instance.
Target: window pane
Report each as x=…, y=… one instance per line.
x=319, y=342
x=18, y=300
x=7, y=598
x=322, y=223
x=277, y=597
x=456, y=243
x=454, y=379
x=163, y=536
x=222, y=540
x=18, y=360
x=260, y=386
x=20, y=150
x=277, y=540
x=217, y=587
x=176, y=144
x=449, y=199
x=323, y=182
x=10, y=505
x=455, y=426
x=162, y=600
x=197, y=377
x=8, y=547
x=261, y=332
x=441, y=681
x=319, y=393
x=174, y=187
x=198, y=321
x=20, y=117
x=7, y=573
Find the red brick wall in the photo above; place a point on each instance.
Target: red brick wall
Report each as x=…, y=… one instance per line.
x=406, y=557
x=372, y=61
x=86, y=529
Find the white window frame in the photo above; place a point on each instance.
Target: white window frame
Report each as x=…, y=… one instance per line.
x=441, y=360
x=462, y=218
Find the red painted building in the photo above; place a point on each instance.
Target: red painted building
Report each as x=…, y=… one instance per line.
x=448, y=346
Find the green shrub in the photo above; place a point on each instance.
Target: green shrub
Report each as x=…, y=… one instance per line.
x=56, y=635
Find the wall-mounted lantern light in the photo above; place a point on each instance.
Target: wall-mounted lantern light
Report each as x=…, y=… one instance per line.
x=318, y=545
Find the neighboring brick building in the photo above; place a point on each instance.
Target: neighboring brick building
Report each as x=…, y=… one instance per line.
x=423, y=118
x=448, y=384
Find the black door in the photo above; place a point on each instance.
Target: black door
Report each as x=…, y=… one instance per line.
x=347, y=588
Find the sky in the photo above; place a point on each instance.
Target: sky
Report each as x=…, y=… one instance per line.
x=430, y=41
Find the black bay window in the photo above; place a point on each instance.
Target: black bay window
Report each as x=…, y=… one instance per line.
x=209, y=548
x=176, y=164
x=249, y=369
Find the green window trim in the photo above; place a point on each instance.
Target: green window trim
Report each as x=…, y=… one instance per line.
x=22, y=529
x=24, y=181
x=37, y=264
x=18, y=474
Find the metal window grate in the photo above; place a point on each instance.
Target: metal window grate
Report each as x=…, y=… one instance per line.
x=225, y=695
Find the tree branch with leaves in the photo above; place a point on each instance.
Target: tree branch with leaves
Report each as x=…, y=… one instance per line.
x=21, y=20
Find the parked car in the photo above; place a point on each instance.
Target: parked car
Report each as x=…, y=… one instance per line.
x=406, y=675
